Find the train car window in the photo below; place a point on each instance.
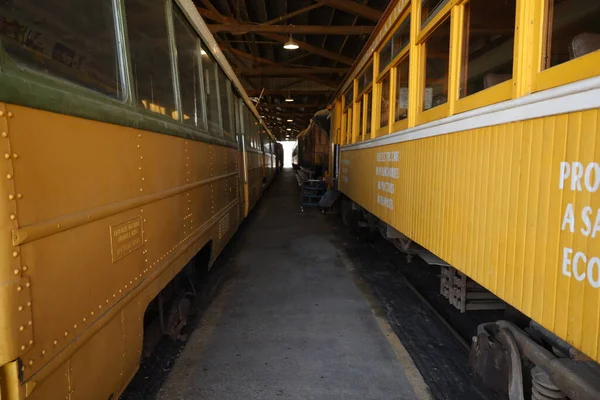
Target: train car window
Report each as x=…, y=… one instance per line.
x=68, y=39
x=349, y=96
x=359, y=118
x=224, y=94
x=573, y=30
x=151, y=56
x=488, y=44
x=384, y=106
x=190, y=82
x=385, y=55
x=235, y=101
x=368, y=112
x=366, y=78
x=396, y=44
x=437, y=49
x=429, y=8
x=211, y=92
x=349, y=123
x=401, y=110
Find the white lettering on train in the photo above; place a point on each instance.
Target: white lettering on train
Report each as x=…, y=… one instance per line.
x=580, y=219
x=579, y=267
x=571, y=174
x=390, y=172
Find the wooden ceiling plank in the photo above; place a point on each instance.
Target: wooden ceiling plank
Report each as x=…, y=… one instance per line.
x=352, y=7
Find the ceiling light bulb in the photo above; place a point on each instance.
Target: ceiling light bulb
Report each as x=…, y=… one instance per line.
x=289, y=99
x=289, y=129
x=291, y=45
x=290, y=120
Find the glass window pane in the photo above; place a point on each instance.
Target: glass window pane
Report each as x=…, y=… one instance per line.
x=189, y=70
x=349, y=122
x=488, y=45
x=384, y=119
x=224, y=92
x=349, y=96
x=235, y=101
x=369, y=111
x=366, y=78
x=437, y=48
x=429, y=8
x=151, y=56
x=396, y=44
x=402, y=70
x=211, y=93
x=359, y=110
x=385, y=56
x=573, y=30
x=72, y=40
x=401, y=38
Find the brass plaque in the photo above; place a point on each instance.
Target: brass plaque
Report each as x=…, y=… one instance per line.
x=125, y=238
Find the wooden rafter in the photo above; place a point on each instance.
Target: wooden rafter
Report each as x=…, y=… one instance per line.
x=292, y=105
x=352, y=7
x=216, y=16
x=293, y=14
x=260, y=60
x=280, y=71
x=241, y=29
x=285, y=92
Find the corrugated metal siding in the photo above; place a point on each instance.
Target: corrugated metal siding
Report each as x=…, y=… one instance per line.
x=488, y=202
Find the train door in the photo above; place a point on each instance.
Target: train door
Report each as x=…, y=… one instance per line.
x=263, y=149
x=242, y=126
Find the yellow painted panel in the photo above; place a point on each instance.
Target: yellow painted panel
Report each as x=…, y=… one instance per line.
x=513, y=206
x=103, y=216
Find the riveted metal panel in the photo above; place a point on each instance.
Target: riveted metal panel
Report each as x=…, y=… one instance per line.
x=81, y=192
x=489, y=201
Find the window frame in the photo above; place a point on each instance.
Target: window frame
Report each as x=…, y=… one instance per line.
x=391, y=69
x=492, y=95
x=403, y=123
x=175, y=57
x=9, y=65
x=443, y=110
x=360, y=97
x=574, y=70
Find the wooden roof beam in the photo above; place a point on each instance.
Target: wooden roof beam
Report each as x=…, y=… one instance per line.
x=285, y=92
x=352, y=7
x=215, y=16
x=293, y=14
x=290, y=105
x=278, y=71
x=241, y=29
x=260, y=60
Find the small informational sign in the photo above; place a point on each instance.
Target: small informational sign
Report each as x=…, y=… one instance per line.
x=125, y=238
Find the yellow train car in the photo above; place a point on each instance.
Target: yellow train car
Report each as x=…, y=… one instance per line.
x=130, y=150
x=472, y=128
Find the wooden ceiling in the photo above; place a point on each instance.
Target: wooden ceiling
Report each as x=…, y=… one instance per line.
x=330, y=34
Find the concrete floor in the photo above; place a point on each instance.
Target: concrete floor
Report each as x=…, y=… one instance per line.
x=292, y=323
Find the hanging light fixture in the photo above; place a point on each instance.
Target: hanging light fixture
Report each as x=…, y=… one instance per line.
x=289, y=98
x=290, y=44
x=290, y=120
